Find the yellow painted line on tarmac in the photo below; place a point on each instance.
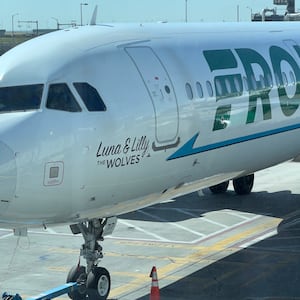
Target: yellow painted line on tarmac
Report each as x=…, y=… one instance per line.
x=131, y=286
x=59, y=269
x=64, y=250
x=231, y=240
x=140, y=281
x=156, y=244
x=199, y=254
x=136, y=256
x=167, y=270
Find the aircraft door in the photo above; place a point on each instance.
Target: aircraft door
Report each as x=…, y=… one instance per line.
x=161, y=93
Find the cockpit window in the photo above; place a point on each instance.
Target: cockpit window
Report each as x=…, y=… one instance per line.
x=61, y=98
x=20, y=98
x=90, y=96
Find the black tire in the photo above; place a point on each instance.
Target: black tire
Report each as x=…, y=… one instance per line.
x=98, y=284
x=77, y=273
x=243, y=185
x=219, y=188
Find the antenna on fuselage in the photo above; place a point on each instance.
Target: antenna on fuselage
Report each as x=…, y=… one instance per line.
x=94, y=16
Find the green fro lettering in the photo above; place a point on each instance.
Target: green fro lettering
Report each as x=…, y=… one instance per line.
x=257, y=89
x=220, y=59
x=230, y=85
x=278, y=55
x=225, y=85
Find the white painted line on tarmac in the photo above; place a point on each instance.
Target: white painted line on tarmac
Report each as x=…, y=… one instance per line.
x=259, y=239
x=51, y=231
x=203, y=218
x=191, y=242
x=142, y=230
x=155, y=237
x=216, y=233
x=188, y=213
x=173, y=224
x=236, y=214
x=175, y=208
x=6, y=236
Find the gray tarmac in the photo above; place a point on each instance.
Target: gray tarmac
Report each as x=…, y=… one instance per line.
x=204, y=246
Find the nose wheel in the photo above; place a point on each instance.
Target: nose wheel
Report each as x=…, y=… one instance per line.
x=97, y=279
x=98, y=283
x=78, y=274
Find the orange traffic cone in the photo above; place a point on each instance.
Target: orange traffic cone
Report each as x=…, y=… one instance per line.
x=154, y=294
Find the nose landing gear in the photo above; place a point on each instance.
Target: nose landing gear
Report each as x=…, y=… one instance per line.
x=97, y=278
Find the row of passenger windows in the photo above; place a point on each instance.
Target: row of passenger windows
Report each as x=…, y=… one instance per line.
x=236, y=85
x=60, y=97
x=199, y=89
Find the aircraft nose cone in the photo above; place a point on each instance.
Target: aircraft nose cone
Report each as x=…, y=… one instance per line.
x=8, y=175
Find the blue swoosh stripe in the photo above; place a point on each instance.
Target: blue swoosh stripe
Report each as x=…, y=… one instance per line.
x=187, y=149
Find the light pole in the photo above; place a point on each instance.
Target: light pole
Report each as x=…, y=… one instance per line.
x=250, y=12
x=81, y=4
x=57, y=23
x=12, y=24
x=186, y=11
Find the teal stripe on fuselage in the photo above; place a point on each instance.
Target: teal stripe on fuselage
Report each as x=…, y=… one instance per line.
x=187, y=149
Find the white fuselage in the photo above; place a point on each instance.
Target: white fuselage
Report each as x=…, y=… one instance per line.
x=187, y=107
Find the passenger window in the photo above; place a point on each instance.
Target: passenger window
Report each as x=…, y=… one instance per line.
x=262, y=81
x=61, y=98
x=209, y=89
x=199, y=89
x=219, y=89
x=189, y=91
x=277, y=79
x=228, y=86
x=293, y=79
x=269, y=80
x=285, y=80
x=246, y=83
x=238, y=85
x=90, y=96
x=253, y=81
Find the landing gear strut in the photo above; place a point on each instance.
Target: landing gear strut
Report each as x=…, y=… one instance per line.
x=97, y=279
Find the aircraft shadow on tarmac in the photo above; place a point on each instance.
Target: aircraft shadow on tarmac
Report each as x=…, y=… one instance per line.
x=269, y=269
x=278, y=204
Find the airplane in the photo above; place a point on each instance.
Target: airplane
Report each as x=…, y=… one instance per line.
x=101, y=120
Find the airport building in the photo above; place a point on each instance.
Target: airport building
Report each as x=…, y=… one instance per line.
x=271, y=14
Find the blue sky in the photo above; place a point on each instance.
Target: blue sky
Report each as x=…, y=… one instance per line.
x=66, y=11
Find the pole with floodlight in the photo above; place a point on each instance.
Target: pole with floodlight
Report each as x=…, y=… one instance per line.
x=81, y=4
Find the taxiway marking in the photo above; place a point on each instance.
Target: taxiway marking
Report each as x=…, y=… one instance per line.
x=6, y=236
x=173, y=224
x=143, y=230
x=202, y=254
